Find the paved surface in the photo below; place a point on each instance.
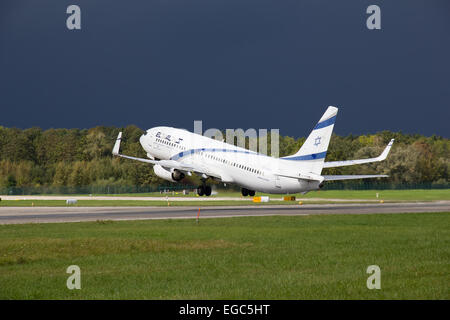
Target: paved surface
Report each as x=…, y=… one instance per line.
x=138, y=198
x=171, y=198
x=11, y=215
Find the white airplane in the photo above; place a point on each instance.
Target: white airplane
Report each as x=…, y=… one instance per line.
x=176, y=153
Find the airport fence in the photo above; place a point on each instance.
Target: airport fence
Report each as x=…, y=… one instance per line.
x=94, y=189
x=170, y=188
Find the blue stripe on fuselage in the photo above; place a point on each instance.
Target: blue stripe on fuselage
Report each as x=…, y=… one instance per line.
x=192, y=151
x=313, y=156
x=325, y=123
x=180, y=155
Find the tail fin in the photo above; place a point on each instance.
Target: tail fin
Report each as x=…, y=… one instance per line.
x=312, y=154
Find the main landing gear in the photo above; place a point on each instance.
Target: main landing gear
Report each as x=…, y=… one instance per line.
x=246, y=192
x=204, y=190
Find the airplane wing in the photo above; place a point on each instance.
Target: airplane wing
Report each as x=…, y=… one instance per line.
x=315, y=177
x=350, y=177
x=168, y=164
x=381, y=157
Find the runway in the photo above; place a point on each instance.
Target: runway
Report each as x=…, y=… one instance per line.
x=171, y=198
x=16, y=215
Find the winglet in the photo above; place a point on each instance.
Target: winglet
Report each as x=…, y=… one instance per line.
x=116, y=148
x=386, y=150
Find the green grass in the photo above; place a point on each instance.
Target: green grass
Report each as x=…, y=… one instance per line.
x=301, y=257
x=397, y=195
x=411, y=194
x=331, y=195
x=394, y=195
x=116, y=203
x=407, y=195
x=150, y=203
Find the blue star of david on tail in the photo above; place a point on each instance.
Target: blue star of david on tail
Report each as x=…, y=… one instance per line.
x=317, y=141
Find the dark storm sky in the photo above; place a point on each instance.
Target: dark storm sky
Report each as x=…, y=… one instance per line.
x=230, y=63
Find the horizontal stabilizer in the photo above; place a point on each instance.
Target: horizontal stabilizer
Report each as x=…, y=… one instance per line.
x=350, y=177
x=309, y=176
x=381, y=157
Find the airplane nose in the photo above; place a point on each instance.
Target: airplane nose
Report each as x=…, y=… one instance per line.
x=142, y=140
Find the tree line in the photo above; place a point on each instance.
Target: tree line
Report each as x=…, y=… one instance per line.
x=82, y=157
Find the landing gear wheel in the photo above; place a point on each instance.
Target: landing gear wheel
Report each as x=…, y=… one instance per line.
x=251, y=193
x=244, y=192
x=200, y=191
x=207, y=190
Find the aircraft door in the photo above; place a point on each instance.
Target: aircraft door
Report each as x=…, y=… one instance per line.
x=277, y=182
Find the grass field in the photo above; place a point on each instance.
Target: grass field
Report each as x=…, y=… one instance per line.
x=406, y=195
x=312, y=197
x=157, y=203
x=410, y=195
x=302, y=257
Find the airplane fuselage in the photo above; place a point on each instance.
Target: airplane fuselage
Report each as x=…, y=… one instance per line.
x=235, y=165
x=175, y=153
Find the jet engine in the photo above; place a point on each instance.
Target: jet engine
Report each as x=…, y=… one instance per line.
x=172, y=175
x=177, y=175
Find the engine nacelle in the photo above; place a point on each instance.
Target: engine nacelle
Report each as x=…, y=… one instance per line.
x=172, y=175
x=163, y=173
x=177, y=175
